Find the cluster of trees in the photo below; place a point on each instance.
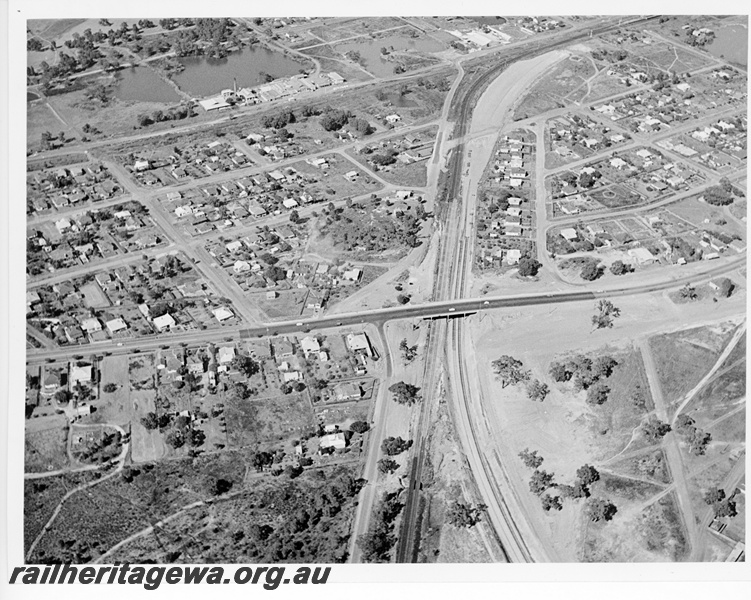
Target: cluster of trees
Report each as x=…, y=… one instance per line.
x=696, y=438
x=616, y=55
x=385, y=158
x=654, y=429
x=541, y=481
x=391, y=446
x=405, y=393
x=245, y=365
x=723, y=506
x=101, y=450
x=293, y=520
x=510, y=370
x=387, y=466
x=288, y=388
x=584, y=180
x=537, y=390
x=618, y=267
x=176, y=113
x=182, y=432
x=591, y=270
x=278, y=121
x=586, y=375
x=334, y=119
x=606, y=312
x=409, y=353
x=464, y=515
x=356, y=228
x=528, y=266
x=377, y=543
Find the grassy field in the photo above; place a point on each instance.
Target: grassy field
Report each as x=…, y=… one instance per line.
x=683, y=358
x=91, y=522
x=266, y=521
x=42, y=496
x=46, y=440
x=646, y=534
x=270, y=420
x=650, y=464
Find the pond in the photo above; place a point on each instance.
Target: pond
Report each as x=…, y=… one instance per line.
x=142, y=84
x=731, y=44
x=209, y=76
x=370, y=50
x=31, y=96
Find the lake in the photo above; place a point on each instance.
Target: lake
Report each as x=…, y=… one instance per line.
x=731, y=44
x=370, y=51
x=142, y=84
x=209, y=76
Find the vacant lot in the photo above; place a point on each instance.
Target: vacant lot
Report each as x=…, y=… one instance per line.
x=250, y=422
x=46, y=439
x=266, y=521
x=651, y=534
x=684, y=357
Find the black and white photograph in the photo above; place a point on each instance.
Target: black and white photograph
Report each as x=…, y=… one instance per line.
x=374, y=290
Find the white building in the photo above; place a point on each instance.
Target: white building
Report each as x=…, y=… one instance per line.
x=164, y=322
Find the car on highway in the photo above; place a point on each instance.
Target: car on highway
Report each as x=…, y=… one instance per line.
x=119, y=343
x=298, y=324
x=486, y=303
x=452, y=309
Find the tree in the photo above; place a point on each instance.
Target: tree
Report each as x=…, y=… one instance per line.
x=531, y=459
x=714, y=495
x=607, y=311
x=603, y=366
x=591, y=271
x=587, y=475
x=619, y=267
x=540, y=481
x=144, y=120
x=293, y=471
x=528, y=267
x=654, y=429
x=509, y=370
x=725, y=287
x=405, y=393
x=150, y=421
x=578, y=490
x=402, y=298
x=387, y=466
x=175, y=439
x=62, y=397
x=408, y=352
x=598, y=509
x=688, y=292
x=598, y=393
x=559, y=372
x=245, y=365
x=359, y=426
x=294, y=217
x=551, y=503
x=391, y=446
x=537, y=390
x=464, y=515
x=109, y=388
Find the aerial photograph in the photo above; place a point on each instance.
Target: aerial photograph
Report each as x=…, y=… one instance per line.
x=395, y=289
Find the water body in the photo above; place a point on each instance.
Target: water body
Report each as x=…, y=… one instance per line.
x=208, y=76
x=142, y=84
x=731, y=44
x=31, y=96
x=370, y=50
